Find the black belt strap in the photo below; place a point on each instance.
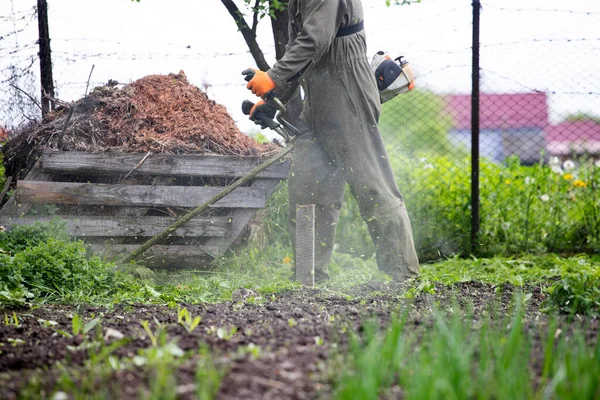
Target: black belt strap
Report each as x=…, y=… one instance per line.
x=351, y=30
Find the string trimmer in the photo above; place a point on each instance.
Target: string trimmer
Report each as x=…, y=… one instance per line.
x=266, y=119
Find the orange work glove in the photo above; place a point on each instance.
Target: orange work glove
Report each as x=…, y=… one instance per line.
x=261, y=84
x=263, y=113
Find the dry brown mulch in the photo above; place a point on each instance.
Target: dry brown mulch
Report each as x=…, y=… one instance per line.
x=157, y=113
x=165, y=113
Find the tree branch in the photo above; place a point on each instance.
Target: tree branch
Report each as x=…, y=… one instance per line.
x=249, y=36
x=26, y=94
x=255, y=16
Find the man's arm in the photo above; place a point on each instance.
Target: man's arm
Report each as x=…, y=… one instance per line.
x=321, y=20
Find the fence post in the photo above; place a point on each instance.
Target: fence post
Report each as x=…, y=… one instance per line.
x=475, y=220
x=305, y=244
x=45, y=58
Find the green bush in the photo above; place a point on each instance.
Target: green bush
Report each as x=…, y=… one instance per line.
x=538, y=209
x=39, y=263
x=59, y=267
x=21, y=237
x=577, y=293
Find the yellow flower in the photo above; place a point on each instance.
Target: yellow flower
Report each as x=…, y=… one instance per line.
x=507, y=181
x=568, y=177
x=287, y=260
x=580, y=184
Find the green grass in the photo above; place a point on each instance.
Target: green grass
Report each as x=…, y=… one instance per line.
x=451, y=358
x=455, y=359
x=39, y=264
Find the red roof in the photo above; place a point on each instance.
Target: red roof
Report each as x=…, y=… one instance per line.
x=500, y=111
x=573, y=130
x=573, y=137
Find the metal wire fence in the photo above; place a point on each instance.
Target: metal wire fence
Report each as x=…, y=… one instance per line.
x=539, y=114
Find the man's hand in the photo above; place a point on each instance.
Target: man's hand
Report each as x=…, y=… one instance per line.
x=261, y=83
x=262, y=108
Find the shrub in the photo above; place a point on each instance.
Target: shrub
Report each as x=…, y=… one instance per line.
x=21, y=237
x=56, y=267
x=577, y=293
x=40, y=263
x=539, y=208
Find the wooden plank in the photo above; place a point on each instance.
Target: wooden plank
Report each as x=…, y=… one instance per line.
x=73, y=162
x=139, y=211
x=15, y=207
x=135, y=195
x=160, y=256
x=135, y=226
x=241, y=218
x=305, y=244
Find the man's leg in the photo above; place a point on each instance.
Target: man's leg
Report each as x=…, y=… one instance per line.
x=315, y=179
x=345, y=112
x=368, y=172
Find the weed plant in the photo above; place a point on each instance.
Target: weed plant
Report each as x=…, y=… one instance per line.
x=572, y=284
x=37, y=266
x=162, y=361
x=454, y=359
x=541, y=208
x=40, y=263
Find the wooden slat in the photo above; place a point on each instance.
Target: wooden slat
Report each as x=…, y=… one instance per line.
x=158, y=164
x=14, y=207
x=88, y=226
x=135, y=195
x=139, y=211
x=160, y=256
x=241, y=217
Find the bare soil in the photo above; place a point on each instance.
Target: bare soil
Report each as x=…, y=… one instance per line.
x=294, y=331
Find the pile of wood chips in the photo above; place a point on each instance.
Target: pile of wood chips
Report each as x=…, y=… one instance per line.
x=157, y=113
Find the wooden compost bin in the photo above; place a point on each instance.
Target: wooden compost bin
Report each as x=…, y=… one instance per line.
x=116, y=201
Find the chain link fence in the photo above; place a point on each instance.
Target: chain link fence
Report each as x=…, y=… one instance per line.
x=539, y=119
x=539, y=130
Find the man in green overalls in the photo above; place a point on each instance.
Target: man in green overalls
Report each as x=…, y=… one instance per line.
x=340, y=139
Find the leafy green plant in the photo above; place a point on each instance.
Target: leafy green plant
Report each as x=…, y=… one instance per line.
x=208, y=375
x=57, y=268
x=226, y=333
x=79, y=328
x=21, y=237
x=577, y=293
x=12, y=320
x=185, y=319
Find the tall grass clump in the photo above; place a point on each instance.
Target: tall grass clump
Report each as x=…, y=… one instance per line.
x=454, y=359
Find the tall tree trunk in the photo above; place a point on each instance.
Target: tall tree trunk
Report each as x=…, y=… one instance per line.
x=45, y=59
x=279, y=25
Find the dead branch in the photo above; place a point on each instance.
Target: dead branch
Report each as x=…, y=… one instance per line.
x=87, y=85
x=138, y=165
x=26, y=94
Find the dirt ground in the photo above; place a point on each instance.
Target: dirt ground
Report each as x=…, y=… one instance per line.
x=294, y=331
